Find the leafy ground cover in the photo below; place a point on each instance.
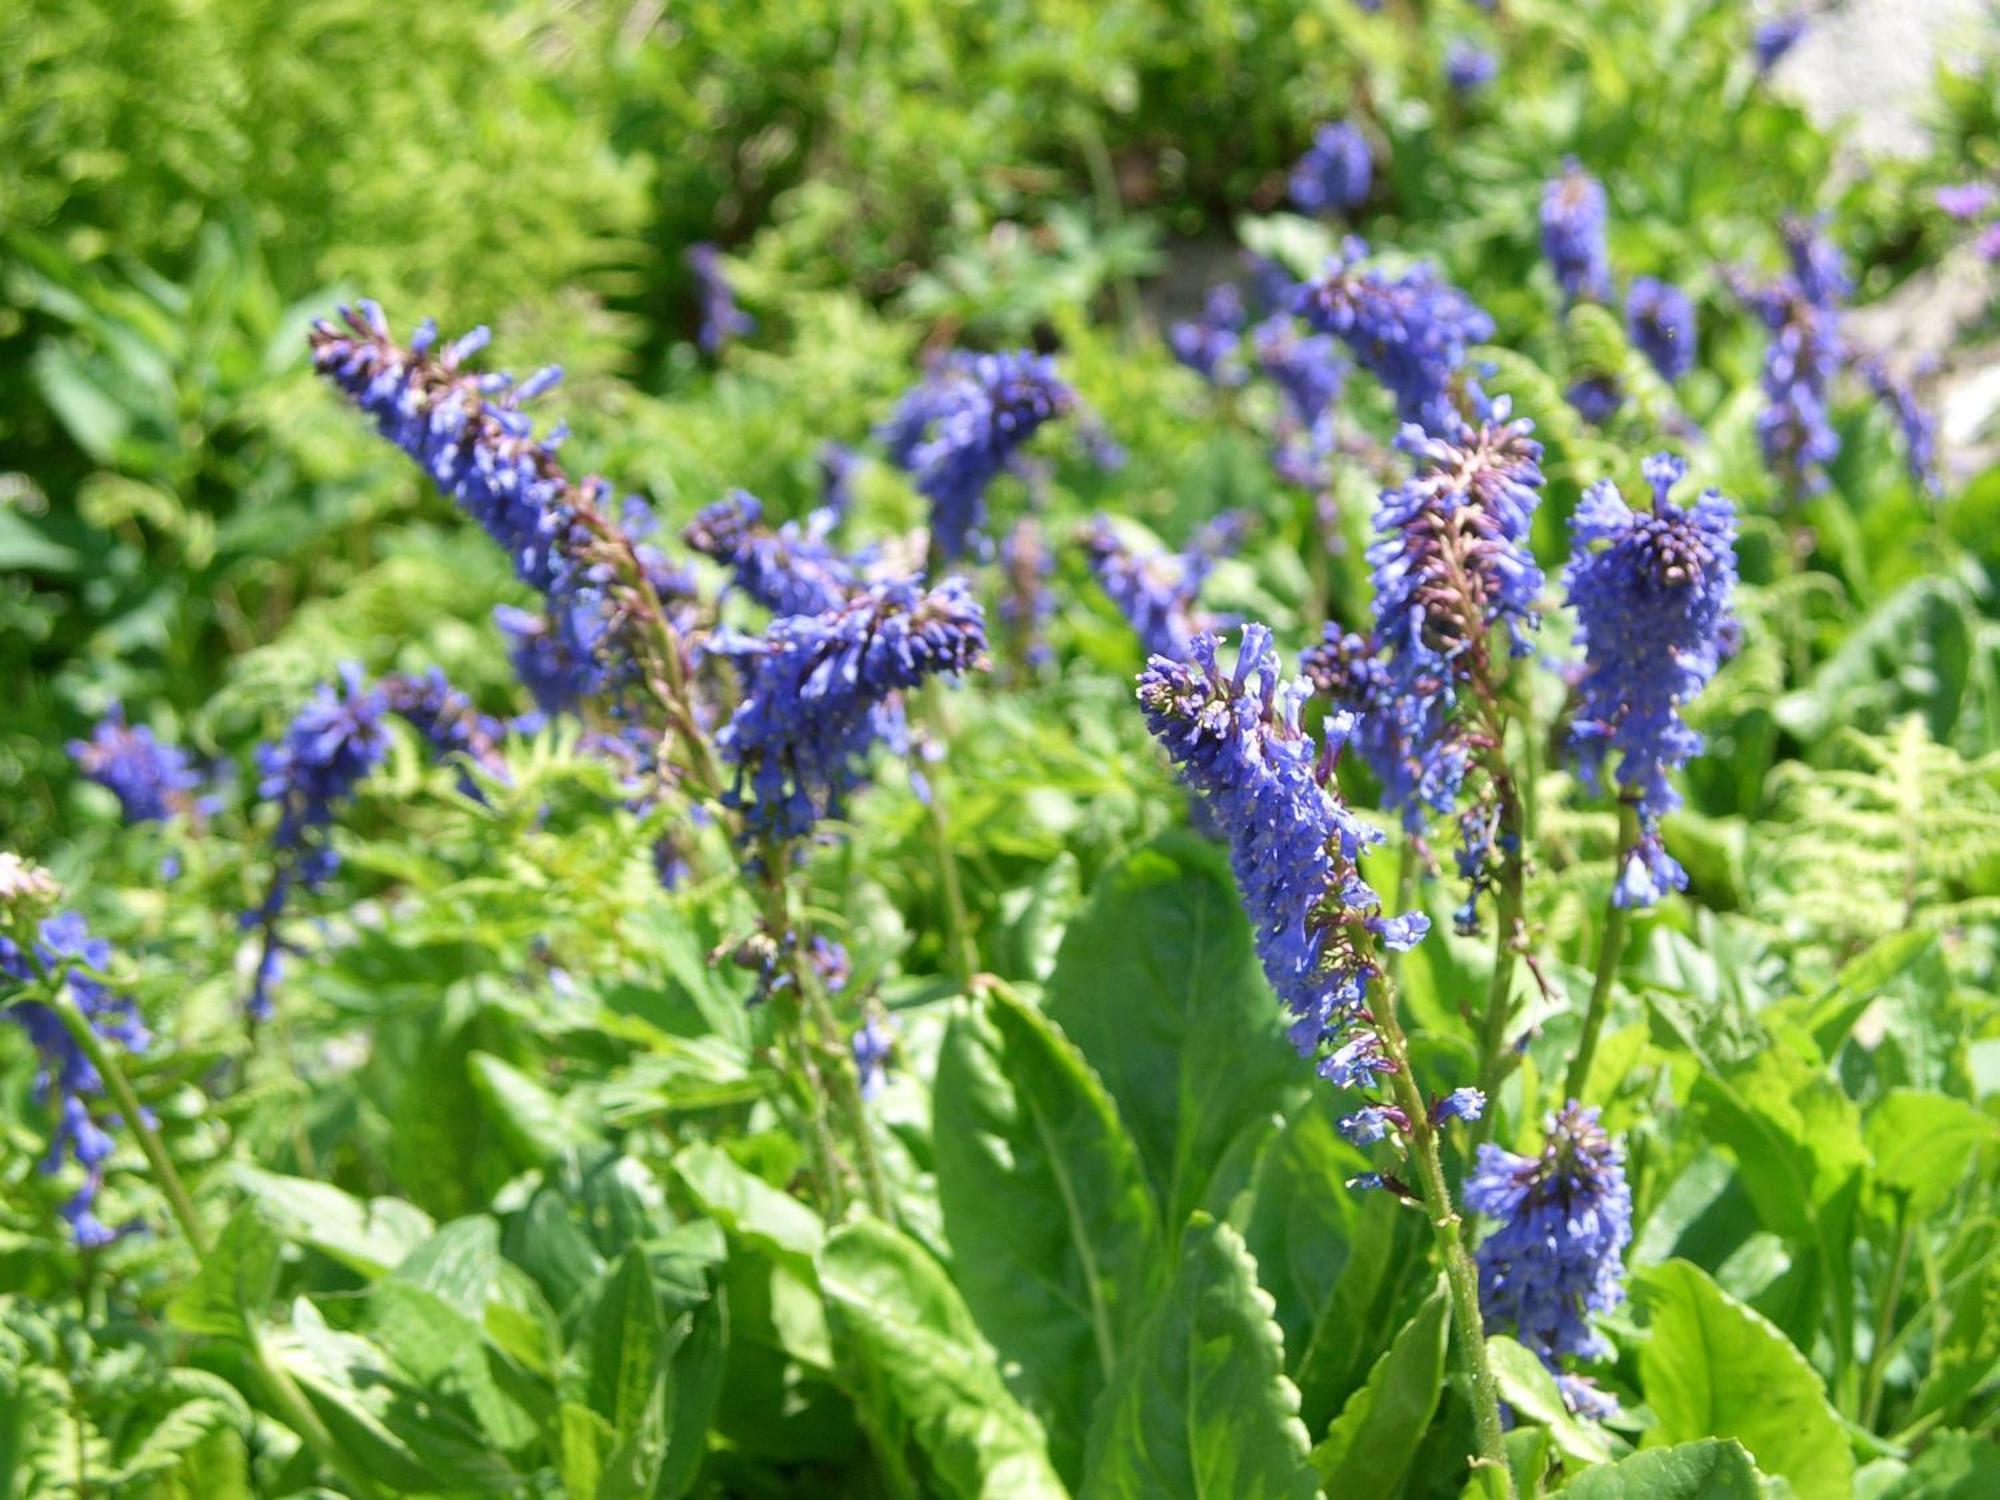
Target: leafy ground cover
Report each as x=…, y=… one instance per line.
x=1272, y=766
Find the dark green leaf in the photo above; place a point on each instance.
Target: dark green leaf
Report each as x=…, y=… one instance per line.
x=1712, y=1469
x=232, y=1292
x=1368, y=1449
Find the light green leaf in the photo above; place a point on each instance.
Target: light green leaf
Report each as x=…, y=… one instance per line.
x=230, y=1295
x=1200, y=1408
x=625, y=1342
x=367, y=1237
x=1054, y=1233
x=1527, y=1386
x=1922, y=1142
x=1953, y=1466
x=1368, y=1449
x=1712, y=1367
x=1711, y=1469
x=1158, y=985
x=535, y=1125
x=748, y=1206
x=921, y=1373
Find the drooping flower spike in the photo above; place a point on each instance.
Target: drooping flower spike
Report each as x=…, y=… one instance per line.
x=1209, y=345
x=1652, y=592
x=789, y=569
x=962, y=425
x=721, y=319
x=1335, y=172
x=1561, y=1221
x=1157, y=591
x=151, y=779
x=1660, y=321
x=820, y=690
x=1573, y=226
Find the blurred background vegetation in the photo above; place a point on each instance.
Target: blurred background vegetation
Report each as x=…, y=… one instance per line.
x=186, y=524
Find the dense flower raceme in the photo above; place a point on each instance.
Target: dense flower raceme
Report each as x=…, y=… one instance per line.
x=1561, y=1222
x=330, y=747
x=1451, y=565
x=1335, y=172
x=1651, y=590
x=1158, y=591
x=1209, y=345
x=962, y=425
x=1802, y=311
x=1293, y=845
x=1918, y=425
x=151, y=779
x=721, y=319
x=1596, y=398
x=1660, y=320
x=820, y=690
x=1573, y=222
x=469, y=434
x=790, y=569
x=1410, y=331
x=450, y=724
x=64, y=951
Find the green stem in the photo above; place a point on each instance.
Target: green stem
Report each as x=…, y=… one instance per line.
x=1460, y=1275
x=149, y=1140
x=958, y=925
x=1507, y=940
x=1610, y=949
x=1885, y=1319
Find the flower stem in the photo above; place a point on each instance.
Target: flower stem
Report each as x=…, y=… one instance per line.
x=1610, y=949
x=1507, y=942
x=149, y=1140
x=1460, y=1276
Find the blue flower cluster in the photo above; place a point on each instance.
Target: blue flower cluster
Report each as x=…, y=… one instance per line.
x=1308, y=371
x=1573, y=221
x=819, y=691
x=1208, y=344
x=65, y=951
x=331, y=745
x=1918, y=425
x=1596, y=397
x=874, y=1043
x=1158, y=591
x=1335, y=173
x=790, y=570
x=1410, y=331
x=1562, y=1220
x=1469, y=67
x=449, y=722
x=469, y=433
x=962, y=425
x=1774, y=38
x=838, y=464
x=721, y=319
x=1660, y=320
x=1293, y=845
x=1651, y=590
x=151, y=779
x=1802, y=311
x=1451, y=564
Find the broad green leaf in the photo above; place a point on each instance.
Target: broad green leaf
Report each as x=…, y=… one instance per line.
x=625, y=1341
x=1376, y=1292
x=928, y=1385
x=1953, y=1466
x=694, y=1388
x=746, y=1205
x=1054, y=1233
x=230, y=1295
x=1711, y=1469
x=1158, y=985
x=1368, y=1449
x=535, y=1125
x=1200, y=1408
x=1922, y=1143
x=1711, y=1367
x=367, y=1237
x=1303, y=1220
x=1531, y=1391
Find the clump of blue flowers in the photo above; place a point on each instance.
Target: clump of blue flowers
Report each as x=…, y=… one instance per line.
x=450, y=724
x=962, y=425
x=151, y=779
x=1917, y=424
x=1469, y=67
x=820, y=690
x=790, y=569
x=721, y=319
x=1573, y=224
x=1660, y=320
x=1409, y=330
x=64, y=953
x=1208, y=344
x=1802, y=311
x=330, y=747
x=1335, y=173
x=1157, y=591
x=1562, y=1220
x=1651, y=590
x=1294, y=846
